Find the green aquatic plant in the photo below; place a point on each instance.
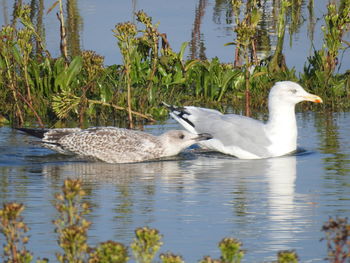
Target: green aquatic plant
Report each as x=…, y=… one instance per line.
x=34, y=84
x=16, y=48
x=337, y=22
x=154, y=68
x=231, y=251
x=170, y=258
x=24, y=13
x=108, y=252
x=66, y=83
x=14, y=230
x=208, y=259
x=245, y=30
x=25, y=48
x=125, y=33
x=71, y=225
x=94, y=74
x=211, y=79
x=319, y=73
x=80, y=88
x=287, y=256
x=338, y=239
x=9, y=75
x=150, y=39
x=146, y=244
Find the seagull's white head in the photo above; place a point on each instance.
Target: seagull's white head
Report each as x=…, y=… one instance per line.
x=177, y=140
x=291, y=92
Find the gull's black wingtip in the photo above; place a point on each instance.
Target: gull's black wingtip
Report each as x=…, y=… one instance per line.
x=39, y=133
x=170, y=107
x=180, y=112
x=174, y=108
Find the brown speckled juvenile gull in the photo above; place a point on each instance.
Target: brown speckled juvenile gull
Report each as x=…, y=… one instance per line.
x=116, y=145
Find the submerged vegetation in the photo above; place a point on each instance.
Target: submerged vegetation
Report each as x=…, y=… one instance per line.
x=77, y=86
x=72, y=234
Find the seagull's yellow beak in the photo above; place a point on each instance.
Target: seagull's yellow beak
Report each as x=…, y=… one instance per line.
x=313, y=98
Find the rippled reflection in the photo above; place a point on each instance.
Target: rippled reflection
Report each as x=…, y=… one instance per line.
x=254, y=189
x=281, y=173
x=111, y=173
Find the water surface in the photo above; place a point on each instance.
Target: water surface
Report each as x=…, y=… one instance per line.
x=197, y=199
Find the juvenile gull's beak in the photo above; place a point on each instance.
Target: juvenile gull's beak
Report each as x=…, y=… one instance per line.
x=313, y=98
x=203, y=137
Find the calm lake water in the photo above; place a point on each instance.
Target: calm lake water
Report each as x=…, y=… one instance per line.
x=197, y=199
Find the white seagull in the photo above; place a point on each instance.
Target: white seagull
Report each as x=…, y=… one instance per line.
x=115, y=145
x=244, y=137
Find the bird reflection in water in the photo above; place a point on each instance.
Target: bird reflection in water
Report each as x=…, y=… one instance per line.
x=262, y=192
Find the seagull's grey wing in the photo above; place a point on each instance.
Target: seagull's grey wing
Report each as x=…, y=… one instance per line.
x=190, y=116
x=230, y=129
x=114, y=145
x=239, y=131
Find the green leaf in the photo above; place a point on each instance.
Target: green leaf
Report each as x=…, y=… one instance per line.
x=177, y=76
x=182, y=50
x=162, y=71
x=65, y=76
x=74, y=68
x=258, y=74
x=2, y=63
x=191, y=64
x=17, y=55
x=178, y=81
x=228, y=76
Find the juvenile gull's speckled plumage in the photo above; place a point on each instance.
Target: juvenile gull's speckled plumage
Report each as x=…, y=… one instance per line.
x=116, y=145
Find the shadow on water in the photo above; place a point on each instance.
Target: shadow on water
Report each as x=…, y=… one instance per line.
x=303, y=152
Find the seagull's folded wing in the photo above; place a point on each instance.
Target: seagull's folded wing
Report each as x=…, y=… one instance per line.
x=231, y=131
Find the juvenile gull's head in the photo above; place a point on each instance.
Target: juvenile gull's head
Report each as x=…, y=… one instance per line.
x=175, y=141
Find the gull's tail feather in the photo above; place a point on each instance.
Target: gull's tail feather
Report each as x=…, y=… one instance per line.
x=39, y=133
x=49, y=135
x=181, y=115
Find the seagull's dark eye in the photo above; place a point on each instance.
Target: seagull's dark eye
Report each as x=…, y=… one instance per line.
x=293, y=91
x=182, y=136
